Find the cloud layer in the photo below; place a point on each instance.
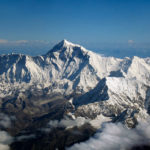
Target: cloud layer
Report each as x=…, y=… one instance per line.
x=66, y=122
x=5, y=120
x=117, y=137
x=19, y=42
x=24, y=137
x=30, y=47
x=130, y=41
x=5, y=138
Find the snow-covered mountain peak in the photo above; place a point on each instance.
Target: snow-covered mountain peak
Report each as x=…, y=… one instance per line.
x=67, y=47
x=67, y=43
x=64, y=43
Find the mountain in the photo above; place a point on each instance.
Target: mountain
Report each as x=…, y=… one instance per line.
x=74, y=82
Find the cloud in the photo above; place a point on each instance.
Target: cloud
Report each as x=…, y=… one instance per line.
x=29, y=47
x=3, y=41
x=7, y=42
x=66, y=122
x=5, y=140
x=24, y=137
x=21, y=41
x=5, y=120
x=130, y=41
x=117, y=137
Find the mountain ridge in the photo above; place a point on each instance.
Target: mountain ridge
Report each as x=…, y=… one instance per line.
x=68, y=86
x=70, y=69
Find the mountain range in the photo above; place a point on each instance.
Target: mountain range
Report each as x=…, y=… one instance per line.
x=71, y=84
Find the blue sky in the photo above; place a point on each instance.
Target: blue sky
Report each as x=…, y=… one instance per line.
x=96, y=24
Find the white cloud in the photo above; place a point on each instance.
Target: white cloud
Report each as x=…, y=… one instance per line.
x=20, y=41
x=5, y=140
x=23, y=137
x=3, y=41
x=66, y=122
x=7, y=42
x=130, y=41
x=29, y=47
x=5, y=120
x=4, y=147
x=117, y=137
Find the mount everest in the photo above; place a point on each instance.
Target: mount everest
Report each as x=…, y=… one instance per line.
x=76, y=83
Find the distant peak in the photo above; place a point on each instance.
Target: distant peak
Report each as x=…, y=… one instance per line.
x=65, y=42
